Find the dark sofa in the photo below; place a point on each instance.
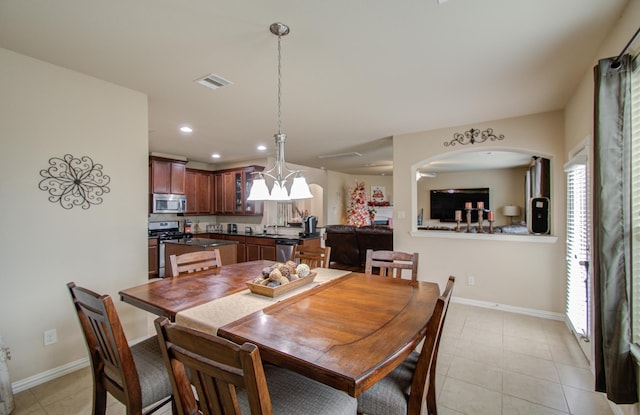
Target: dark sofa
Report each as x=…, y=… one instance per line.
x=349, y=244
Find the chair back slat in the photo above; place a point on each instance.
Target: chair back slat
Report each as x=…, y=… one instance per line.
x=391, y=263
x=111, y=359
x=194, y=261
x=314, y=256
x=217, y=367
x=423, y=384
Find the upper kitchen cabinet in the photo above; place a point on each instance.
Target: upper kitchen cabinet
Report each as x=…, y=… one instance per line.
x=232, y=190
x=199, y=191
x=167, y=176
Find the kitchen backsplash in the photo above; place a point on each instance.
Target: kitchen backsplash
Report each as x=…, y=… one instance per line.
x=200, y=223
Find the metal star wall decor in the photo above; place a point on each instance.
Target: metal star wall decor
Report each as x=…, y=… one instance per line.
x=74, y=181
x=473, y=136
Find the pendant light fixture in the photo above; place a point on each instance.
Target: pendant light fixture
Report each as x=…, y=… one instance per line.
x=279, y=173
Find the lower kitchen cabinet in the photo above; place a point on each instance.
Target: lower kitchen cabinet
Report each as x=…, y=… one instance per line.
x=241, y=253
x=153, y=257
x=260, y=248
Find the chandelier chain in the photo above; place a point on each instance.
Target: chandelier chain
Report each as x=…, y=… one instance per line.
x=279, y=86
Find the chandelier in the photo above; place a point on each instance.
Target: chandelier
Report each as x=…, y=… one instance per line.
x=279, y=173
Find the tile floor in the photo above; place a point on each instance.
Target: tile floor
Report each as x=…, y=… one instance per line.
x=490, y=363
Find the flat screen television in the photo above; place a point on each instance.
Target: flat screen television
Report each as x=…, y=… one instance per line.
x=444, y=203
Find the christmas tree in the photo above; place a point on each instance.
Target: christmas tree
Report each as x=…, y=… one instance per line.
x=358, y=209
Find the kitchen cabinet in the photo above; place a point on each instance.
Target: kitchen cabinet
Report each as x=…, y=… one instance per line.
x=153, y=257
x=260, y=248
x=241, y=252
x=241, y=249
x=199, y=192
x=232, y=190
x=167, y=176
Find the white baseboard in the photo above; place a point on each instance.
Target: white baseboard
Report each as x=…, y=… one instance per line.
x=511, y=309
x=56, y=372
x=46, y=376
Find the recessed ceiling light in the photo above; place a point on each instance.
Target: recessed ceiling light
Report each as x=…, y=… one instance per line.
x=262, y=148
x=215, y=155
x=186, y=129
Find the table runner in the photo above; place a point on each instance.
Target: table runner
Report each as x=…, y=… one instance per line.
x=209, y=316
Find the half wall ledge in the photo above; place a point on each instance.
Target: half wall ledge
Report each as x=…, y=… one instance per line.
x=546, y=239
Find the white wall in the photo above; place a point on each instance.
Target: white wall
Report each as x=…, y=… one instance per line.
x=528, y=275
x=47, y=111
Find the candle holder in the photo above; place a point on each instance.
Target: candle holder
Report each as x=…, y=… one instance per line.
x=468, y=220
x=457, y=229
x=480, y=221
x=491, y=225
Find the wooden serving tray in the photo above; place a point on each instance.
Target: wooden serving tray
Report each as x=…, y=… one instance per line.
x=280, y=289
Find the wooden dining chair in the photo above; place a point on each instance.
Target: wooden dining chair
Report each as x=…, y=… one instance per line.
x=230, y=379
x=413, y=382
x=391, y=263
x=314, y=256
x=194, y=261
x=136, y=375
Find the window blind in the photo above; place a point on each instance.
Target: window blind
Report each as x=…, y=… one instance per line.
x=578, y=245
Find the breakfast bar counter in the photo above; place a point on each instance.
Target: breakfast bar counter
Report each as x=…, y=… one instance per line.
x=228, y=249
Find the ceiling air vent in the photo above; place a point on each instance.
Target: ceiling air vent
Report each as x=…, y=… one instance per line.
x=337, y=155
x=213, y=81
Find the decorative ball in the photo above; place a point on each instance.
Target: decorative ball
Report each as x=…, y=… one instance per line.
x=273, y=284
x=291, y=265
x=275, y=275
x=284, y=280
x=285, y=270
x=257, y=280
x=303, y=270
x=293, y=277
x=266, y=271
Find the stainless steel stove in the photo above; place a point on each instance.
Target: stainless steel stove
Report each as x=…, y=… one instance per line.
x=165, y=231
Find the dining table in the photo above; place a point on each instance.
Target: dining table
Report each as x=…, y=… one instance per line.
x=347, y=330
x=168, y=296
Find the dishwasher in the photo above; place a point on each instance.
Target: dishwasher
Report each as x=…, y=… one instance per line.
x=284, y=249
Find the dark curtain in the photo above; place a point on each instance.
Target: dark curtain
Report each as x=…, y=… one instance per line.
x=612, y=231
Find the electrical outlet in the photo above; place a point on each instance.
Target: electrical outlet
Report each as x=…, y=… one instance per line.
x=50, y=337
x=471, y=280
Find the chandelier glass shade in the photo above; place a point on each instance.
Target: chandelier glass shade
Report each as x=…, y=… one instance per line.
x=279, y=173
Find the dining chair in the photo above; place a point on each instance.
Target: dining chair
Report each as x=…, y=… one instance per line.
x=194, y=261
x=136, y=375
x=413, y=382
x=314, y=256
x=229, y=378
x=391, y=263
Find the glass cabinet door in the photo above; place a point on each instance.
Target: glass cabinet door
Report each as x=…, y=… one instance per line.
x=250, y=207
x=238, y=194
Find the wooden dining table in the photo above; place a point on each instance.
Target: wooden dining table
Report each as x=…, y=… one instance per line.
x=347, y=332
x=168, y=296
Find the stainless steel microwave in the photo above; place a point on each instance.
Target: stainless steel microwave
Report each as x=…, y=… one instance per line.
x=167, y=203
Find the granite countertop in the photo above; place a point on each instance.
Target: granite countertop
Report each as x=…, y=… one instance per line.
x=261, y=235
x=203, y=242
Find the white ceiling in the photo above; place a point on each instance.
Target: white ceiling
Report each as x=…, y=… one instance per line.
x=355, y=73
